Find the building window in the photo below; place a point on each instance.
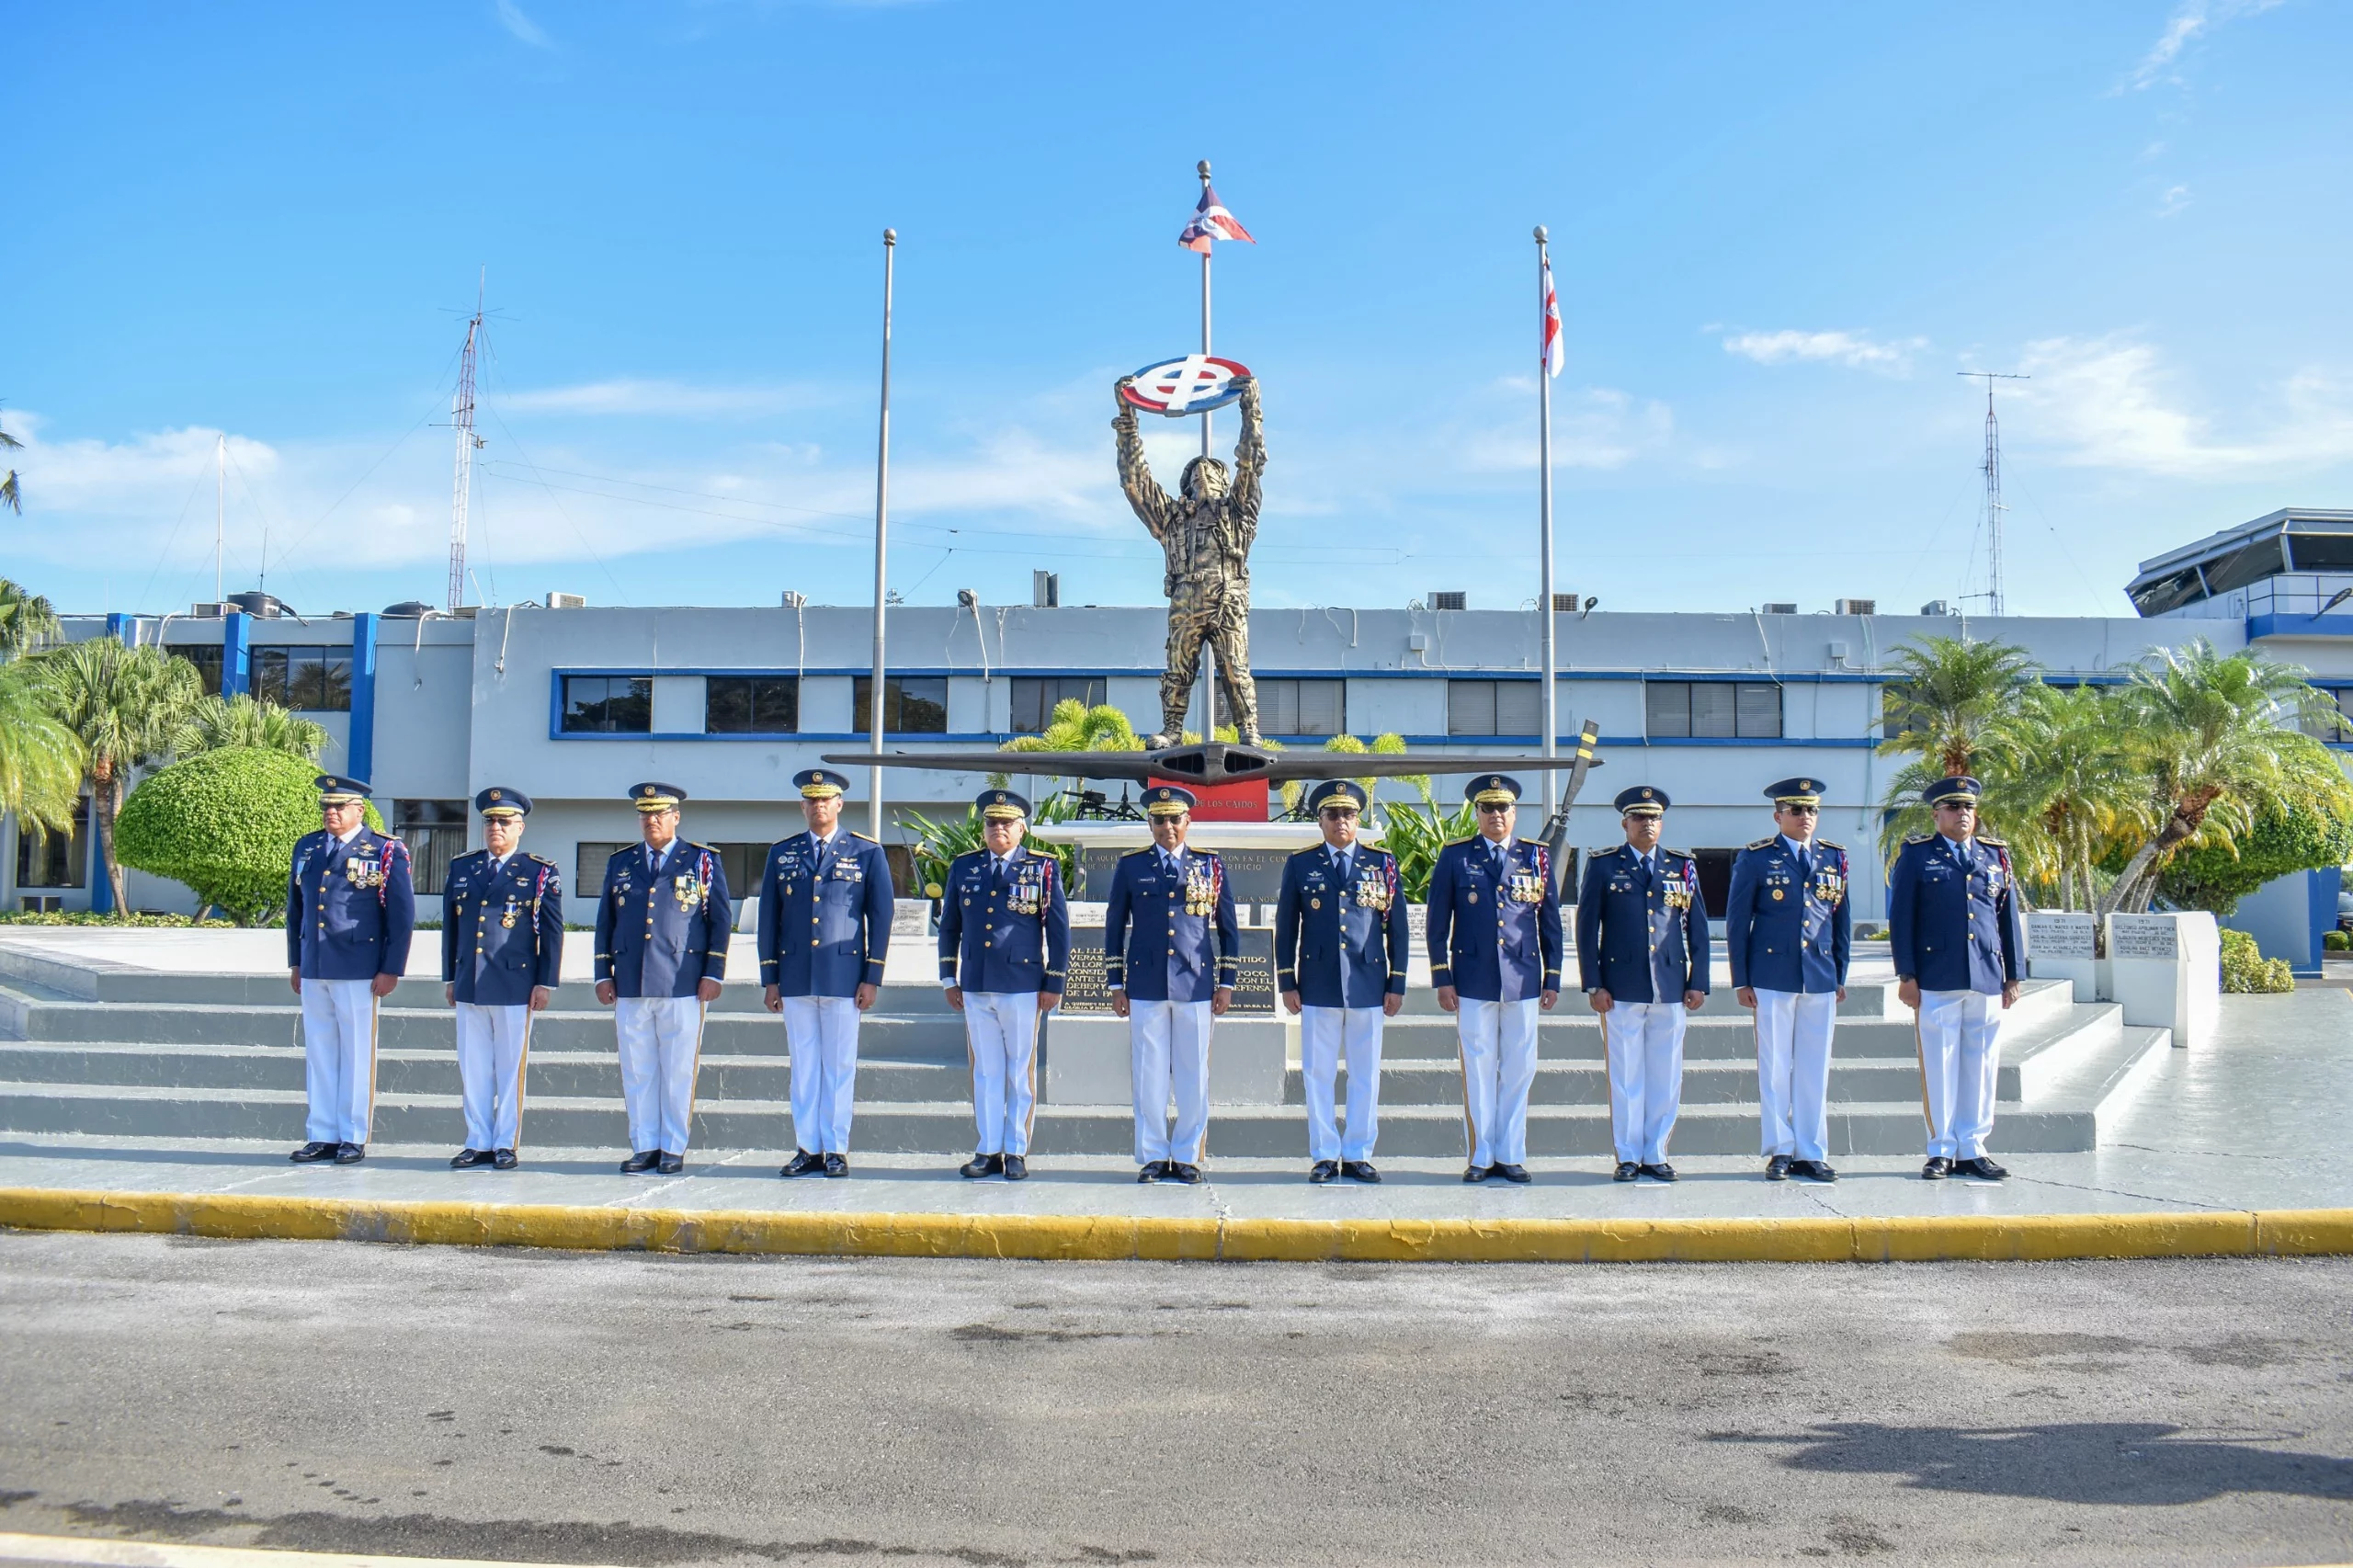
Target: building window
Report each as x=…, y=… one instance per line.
x=207, y=663
x=912, y=705
x=1035, y=699
x=1493, y=707
x=751, y=704
x=2321, y=552
x=57, y=860
x=1298, y=707
x=587, y=880
x=2334, y=722
x=1712, y=709
x=435, y=832
x=747, y=867
x=315, y=680
x=607, y=705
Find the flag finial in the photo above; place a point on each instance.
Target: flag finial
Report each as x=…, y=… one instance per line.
x=1202, y=168
x=1542, y=234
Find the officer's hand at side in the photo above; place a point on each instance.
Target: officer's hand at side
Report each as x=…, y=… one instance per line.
x=707, y=989
x=2009, y=991
x=1049, y=1000
x=1908, y=992
x=449, y=995
x=1598, y=999
x=1391, y=1005
x=1548, y=1001
x=1448, y=999
x=1221, y=1000
x=541, y=996
x=1842, y=993
x=866, y=995
x=955, y=995
x=774, y=997
x=1119, y=1002
x=1745, y=996
x=1695, y=1000
x=294, y=978
x=1290, y=1001
x=605, y=992
x=382, y=985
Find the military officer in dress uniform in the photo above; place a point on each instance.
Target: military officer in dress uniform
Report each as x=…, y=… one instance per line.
x=1004, y=950
x=1642, y=961
x=1170, y=906
x=502, y=947
x=1340, y=965
x=824, y=930
x=662, y=928
x=1495, y=943
x=1953, y=928
x=349, y=914
x=1788, y=929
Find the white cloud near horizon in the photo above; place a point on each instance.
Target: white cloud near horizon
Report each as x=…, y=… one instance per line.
x=2112, y=403
x=2190, y=20
x=1853, y=349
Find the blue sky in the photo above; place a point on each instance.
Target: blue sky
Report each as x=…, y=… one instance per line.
x=1778, y=233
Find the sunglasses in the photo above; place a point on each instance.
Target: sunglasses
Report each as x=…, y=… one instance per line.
x=1492, y=806
x=1803, y=811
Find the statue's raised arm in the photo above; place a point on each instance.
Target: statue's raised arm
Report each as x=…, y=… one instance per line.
x=1150, y=502
x=1249, y=466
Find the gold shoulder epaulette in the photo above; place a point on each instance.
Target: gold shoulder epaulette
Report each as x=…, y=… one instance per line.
x=1678, y=854
x=1133, y=853
x=1917, y=838
x=1991, y=843
x=867, y=836
x=529, y=856
x=1827, y=844
x=1464, y=839
x=1763, y=843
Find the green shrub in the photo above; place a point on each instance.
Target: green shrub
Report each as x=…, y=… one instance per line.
x=226, y=823
x=2337, y=941
x=2282, y=841
x=84, y=917
x=2246, y=969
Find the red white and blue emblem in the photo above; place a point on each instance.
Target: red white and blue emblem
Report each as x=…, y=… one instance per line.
x=1193, y=384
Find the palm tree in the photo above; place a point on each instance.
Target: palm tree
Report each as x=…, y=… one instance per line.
x=27, y=620
x=40, y=762
x=10, y=496
x=1074, y=726
x=127, y=708
x=1945, y=692
x=2062, y=784
x=2206, y=733
x=247, y=721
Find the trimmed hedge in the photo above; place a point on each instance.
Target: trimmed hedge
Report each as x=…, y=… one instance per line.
x=226, y=823
x=2246, y=969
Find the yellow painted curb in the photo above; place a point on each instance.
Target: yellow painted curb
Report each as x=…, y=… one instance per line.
x=1909, y=1239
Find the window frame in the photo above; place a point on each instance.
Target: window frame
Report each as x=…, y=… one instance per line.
x=563, y=711
x=789, y=685
x=894, y=700
x=1739, y=714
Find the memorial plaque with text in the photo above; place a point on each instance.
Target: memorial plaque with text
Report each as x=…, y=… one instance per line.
x=2143, y=937
x=2060, y=936
x=1254, y=992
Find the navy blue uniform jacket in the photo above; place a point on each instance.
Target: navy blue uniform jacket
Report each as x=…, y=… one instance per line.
x=1008, y=938
x=662, y=936
x=825, y=917
x=350, y=910
x=1495, y=936
x=501, y=935
x=1642, y=937
x=1950, y=926
x=1340, y=947
x=1167, y=956
x=1785, y=933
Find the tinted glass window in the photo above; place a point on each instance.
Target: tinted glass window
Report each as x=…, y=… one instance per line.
x=1712, y=709
x=2172, y=592
x=2250, y=563
x=1666, y=709
x=1520, y=707
x=2321, y=552
x=912, y=705
x=1469, y=708
x=751, y=704
x=608, y=705
x=1036, y=696
x=207, y=661
x=1298, y=707
x=309, y=679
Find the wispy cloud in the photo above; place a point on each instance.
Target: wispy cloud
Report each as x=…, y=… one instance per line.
x=511, y=17
x=2112, y=403
x=1853, y=349
x=627, y=395
x=2191, y=21
x=2173, y=202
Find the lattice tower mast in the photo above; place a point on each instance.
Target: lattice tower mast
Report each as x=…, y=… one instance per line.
x=1993, y=471
x=462, y=415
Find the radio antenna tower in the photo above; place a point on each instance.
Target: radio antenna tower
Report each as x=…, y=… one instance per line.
x=1993, y=471
x=462, y=414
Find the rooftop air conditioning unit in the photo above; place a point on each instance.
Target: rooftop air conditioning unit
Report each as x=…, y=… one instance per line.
x=1565, y=604
x=1937, y=606
x=1448, y=600
x=567, y=601
x=207, y=609
x=1855, y=606
x=1780, y=610
x=1045, y=590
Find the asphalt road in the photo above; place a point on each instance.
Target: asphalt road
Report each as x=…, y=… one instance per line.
x=663, y=1410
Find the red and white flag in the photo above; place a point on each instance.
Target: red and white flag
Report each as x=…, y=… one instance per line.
x=1553, y=349
x=1212, y=222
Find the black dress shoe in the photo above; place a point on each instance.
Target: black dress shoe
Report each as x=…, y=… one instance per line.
x=1323, y=1172
x=1476, y=1174
x=467, y=1159
x=1813, y=1170
x=1937, y=1169
x=1626, y=1171
x=350, y=1154
x=1981, y=1169
x=311, y=1153
x=980, y=1165
x=1517, y=1175
x=837, y=1165
x=1660, y=1172
x=1777, y=1168
x=804, y=1163
x=1360, y=1170
x=671, y=1164
x=1016, y=1167
x=1152, y=1170
x=1179, y=1171
x=503, y=1159
x=641, y=1162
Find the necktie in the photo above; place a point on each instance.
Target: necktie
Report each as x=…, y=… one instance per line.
x=652, y=861
x=1340, y=866
x=1805, y=865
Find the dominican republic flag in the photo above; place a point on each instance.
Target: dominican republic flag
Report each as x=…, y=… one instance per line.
x=1552, y=353
x=1212, y=222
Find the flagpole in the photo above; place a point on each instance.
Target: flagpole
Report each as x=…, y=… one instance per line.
x=1544, y=512
x=882, y=545
x=1208, y=651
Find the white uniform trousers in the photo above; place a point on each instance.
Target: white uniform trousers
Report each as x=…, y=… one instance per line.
x=660, y=1047
x=1168, y=1055
x=1793, y=1031
x=1498, y=1041
x=1001, y=1033
x=822, y=1031
x=1643, y=1045
x=1326, y=1035
x=339, y=1059
x=492, y=1045
x=1960, y=1059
